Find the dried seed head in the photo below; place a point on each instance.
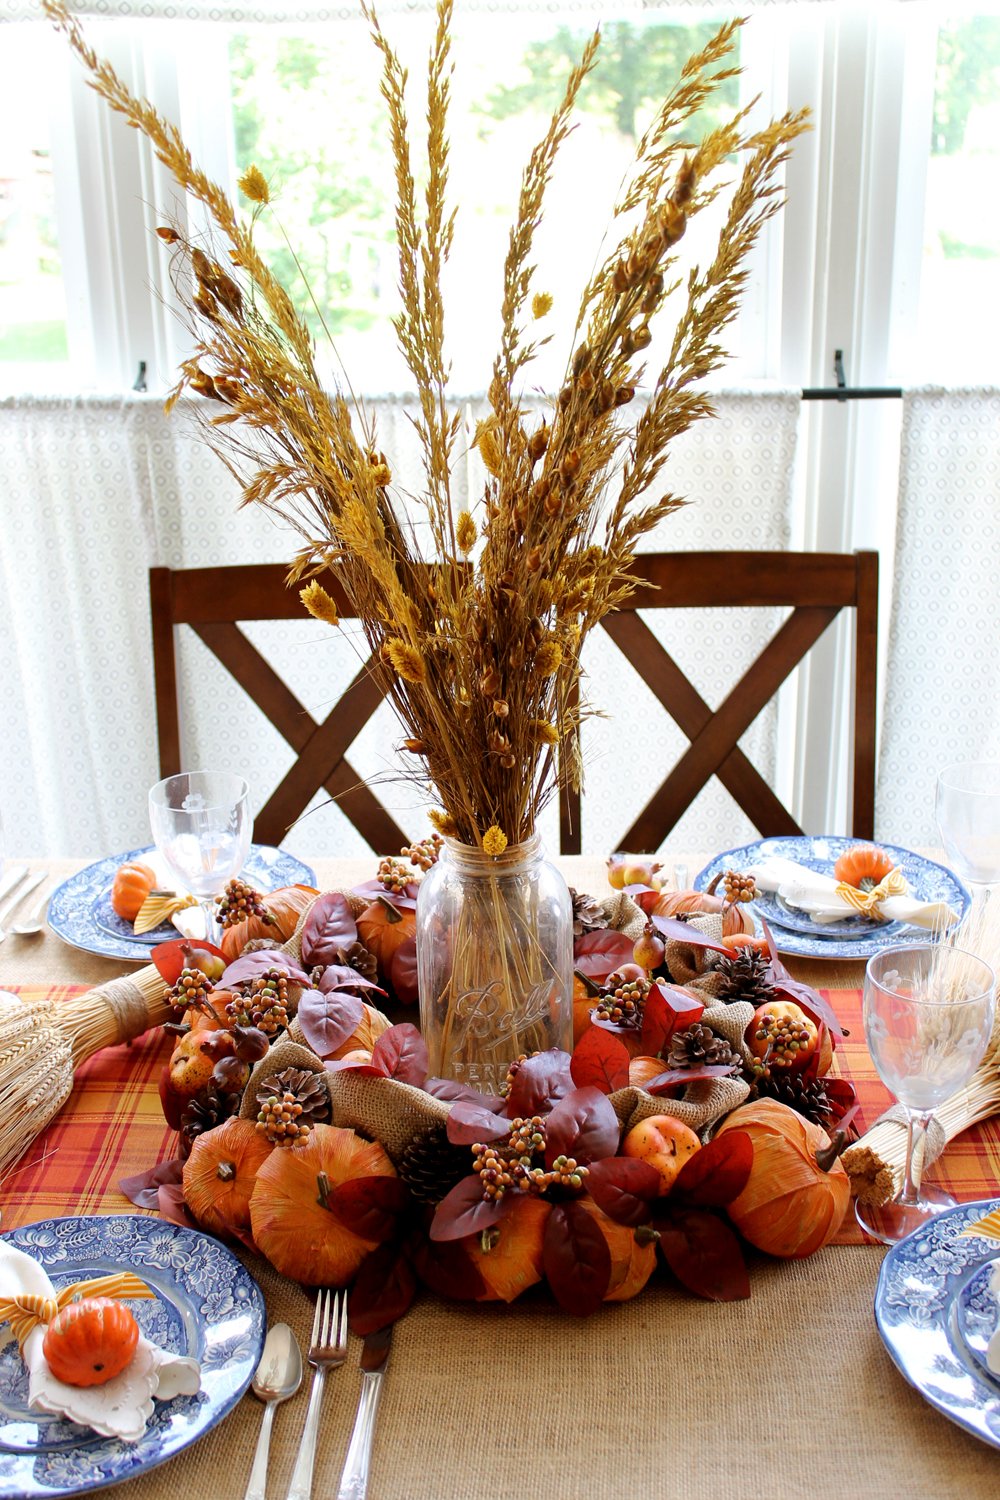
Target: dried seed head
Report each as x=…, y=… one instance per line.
x=508, y=761
x=642, y=338
x=570, y=464
x=487, y=443
x=415, y=747
x=672, y=222
x=542, y=732
x=204, y=385
x=540, y=489
x=541, y=303
x=624, y=394
x=489, y=683
x=494, y=841
x=581, y=359
x=533, y=560
x=168, y=235
x=553, y=504
x=537, y=443
x=548, y=657
x=253, y=185
x=319, y=603
x=228, y=389
x=443, y=822
x=501, y=708
x=465, y=532
x=406, y=661
x=498, y=743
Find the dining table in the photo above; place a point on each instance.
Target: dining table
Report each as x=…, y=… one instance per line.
x=787, y=1395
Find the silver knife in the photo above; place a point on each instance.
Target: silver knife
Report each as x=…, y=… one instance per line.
x=354, y=1479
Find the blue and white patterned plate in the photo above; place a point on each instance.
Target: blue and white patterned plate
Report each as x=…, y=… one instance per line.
x=931, y=1311
x=207, y=1306
x=80, y=909
x=854, y=937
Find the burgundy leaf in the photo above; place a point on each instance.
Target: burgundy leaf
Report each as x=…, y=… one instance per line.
x=446, y=1267
x=465, y=1211
x=403, y=972
x=171, y=957
x=328, y=1020
x=250, y=965
x=664, y=1082
x=704, y=1254
x=402, y=1054
x=683, y=932
x=584, y=1126
x=343, y=977
x=601, y=1060
x=596, y=954
x=646, y=898
x=623, y=1188
x=329, y=928
x=369, y=1206
x=450, y=1090
x=374, y=890
x=576, y=1259
x=714, y=1175
x=667, y=1009
x=143, y=1188
x=843, y=1096
x=382, y=1293
x=469, y=1123
x=539, y=1083
x=170, y=1202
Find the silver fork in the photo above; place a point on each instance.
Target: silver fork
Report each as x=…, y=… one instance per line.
x=327, y=1350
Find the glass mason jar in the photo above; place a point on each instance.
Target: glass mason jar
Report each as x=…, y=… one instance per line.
x=494, y=960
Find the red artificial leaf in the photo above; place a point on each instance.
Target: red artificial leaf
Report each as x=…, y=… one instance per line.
x=683, y=932
x=714, y=1175
x=374, y=890
x=465, y=1211
x=667, y=1009
x=329, y=929
x=646, y=898
x=623, y=1188
x=469, y=1123
x=403, y=972
x=584, y=1126
x=328, y=1020
x=539, y=1083
x=663, y=1083
x=170, y=958
x=450, y=1090
x=143, y=1188
x=250, y=965
x=370, y=1206
x=343, y=977
x=446, y=1267
x=600, y=1060
x=576, y=1259
x=401, y=1053
x=170, y=1202
x=598, y=954
x=383, y=1290
x=704, y=1254
x=843, y=1096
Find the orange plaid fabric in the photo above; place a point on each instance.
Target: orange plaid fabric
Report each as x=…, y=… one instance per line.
x=112, y=1127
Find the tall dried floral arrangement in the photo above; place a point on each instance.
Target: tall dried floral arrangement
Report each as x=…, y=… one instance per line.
x=476, y=622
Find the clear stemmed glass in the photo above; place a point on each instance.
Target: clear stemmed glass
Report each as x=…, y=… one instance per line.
x=928, y=1013
x=967, y=804
x=201, y=824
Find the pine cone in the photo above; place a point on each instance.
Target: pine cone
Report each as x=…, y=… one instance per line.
x=699, y=1046
x=259, y=945
x=309, y=1090
x=745, y=977
x=431, y=1166
x=806, y=1095
x=207, y=1109
x=588, y=913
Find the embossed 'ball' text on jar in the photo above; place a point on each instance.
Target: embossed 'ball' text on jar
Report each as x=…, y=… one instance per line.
x=494, y=961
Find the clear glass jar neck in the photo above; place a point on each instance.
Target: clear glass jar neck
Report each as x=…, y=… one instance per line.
x=468, y=859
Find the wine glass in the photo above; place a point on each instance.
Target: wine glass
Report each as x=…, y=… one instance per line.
x=928, y=1014
x=201, y=825
x=967, y=804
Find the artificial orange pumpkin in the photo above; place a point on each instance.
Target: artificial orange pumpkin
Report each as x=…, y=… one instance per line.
x=132, y=884
x=641, y=1069
x=364, y=1036
x=737, y=940
x=684, y=904
x=509, y=1256
x=864, y=866
x=633, y=1256
x=790, y=1205
x=282, y=908
x=90, y=1341
x=220, y=1173
x=383, y=927
x=291, y=1223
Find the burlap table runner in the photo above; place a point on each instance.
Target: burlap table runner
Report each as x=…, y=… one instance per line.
x=789, y=1396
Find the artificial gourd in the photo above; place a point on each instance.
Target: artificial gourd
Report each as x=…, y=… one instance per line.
x=383, y=927
x=282, y=911
x=791, y=1205
x=633, y=1254
x=508, y=1257
x=363, y=1037
x=132, y=884
x=90, y=1341
x=220, y=1174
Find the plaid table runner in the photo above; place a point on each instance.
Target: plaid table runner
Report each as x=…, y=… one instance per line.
x=112, y=1127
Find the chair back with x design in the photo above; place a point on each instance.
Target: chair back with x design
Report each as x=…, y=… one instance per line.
x=817, y=586
x=213, y=602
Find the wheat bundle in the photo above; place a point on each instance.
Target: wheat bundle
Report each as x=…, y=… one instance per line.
x=42, y=1044
x=877, y=1161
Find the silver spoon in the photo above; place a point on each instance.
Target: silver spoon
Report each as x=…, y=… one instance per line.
x=278, y=1376
x=33, y=922
x=15, y=900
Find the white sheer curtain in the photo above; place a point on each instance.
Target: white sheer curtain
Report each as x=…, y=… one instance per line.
x=96, y=491
x=942, y=694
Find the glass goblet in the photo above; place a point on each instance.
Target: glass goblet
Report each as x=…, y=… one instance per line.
x=928, y=1014
x=201, y=825
x=967, y=805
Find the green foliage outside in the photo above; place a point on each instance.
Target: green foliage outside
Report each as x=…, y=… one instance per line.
x=968, y=74
x=33, y=343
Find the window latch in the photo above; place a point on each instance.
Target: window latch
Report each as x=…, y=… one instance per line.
x=140, y=379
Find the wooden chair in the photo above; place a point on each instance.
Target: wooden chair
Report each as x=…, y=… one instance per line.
x=818, y=585
x=212, y=601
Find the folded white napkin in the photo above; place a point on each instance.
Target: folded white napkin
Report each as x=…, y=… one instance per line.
x=121, y=1407
x=816, y=894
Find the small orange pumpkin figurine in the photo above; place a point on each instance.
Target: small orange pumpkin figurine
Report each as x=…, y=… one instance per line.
x=864, y=866
x=220, y=1175
x=91, y=1341
x=132, y=884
